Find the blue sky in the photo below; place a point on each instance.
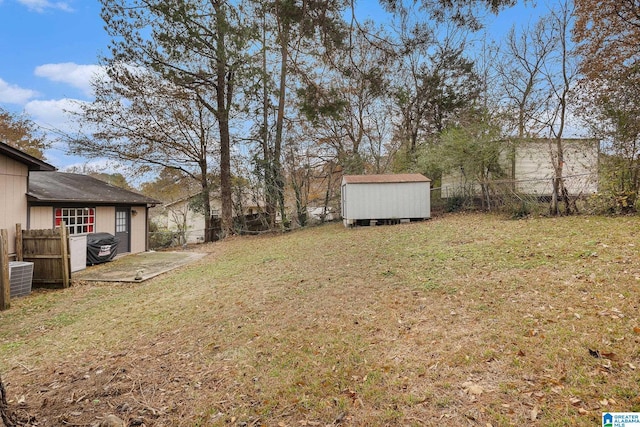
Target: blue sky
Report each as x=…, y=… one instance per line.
x=49, y=50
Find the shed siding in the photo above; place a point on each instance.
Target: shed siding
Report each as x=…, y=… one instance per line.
x=386, y=201
x=13, y=199
x=139, y=229
x=106, y=219
x=41, y=218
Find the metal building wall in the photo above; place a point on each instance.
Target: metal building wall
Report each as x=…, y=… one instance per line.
x=404, y=200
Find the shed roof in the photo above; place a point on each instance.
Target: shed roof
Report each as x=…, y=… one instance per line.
x=33, y=163
x=388, y=178
x=56, y=187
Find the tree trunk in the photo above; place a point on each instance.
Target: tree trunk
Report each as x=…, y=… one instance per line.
x=267, y=171
x=223, y=98
x=277, y=150
x=560, y=192
x=4, y=411
x=327, y=194
x=226, y=216
x=206, y=204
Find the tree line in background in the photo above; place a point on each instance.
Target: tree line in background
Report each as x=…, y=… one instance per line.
x=276, y=100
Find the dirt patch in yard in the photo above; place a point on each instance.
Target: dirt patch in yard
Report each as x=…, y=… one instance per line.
x=136, y=267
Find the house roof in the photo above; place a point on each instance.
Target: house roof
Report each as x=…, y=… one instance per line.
x=33, y=163
x=390, y=178
x=56, y=187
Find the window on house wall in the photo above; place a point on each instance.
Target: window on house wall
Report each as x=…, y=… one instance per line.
x=78, y=220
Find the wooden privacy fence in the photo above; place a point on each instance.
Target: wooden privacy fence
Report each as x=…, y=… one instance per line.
x=48, y=250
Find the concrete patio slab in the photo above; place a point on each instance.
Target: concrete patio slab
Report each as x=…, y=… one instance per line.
x=136, y=267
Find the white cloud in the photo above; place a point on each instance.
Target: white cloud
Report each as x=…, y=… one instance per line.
x=79, y=165
x=53, y=115
x=12, y=94
x=40, y=5
x=54, y=118
x=78, y=76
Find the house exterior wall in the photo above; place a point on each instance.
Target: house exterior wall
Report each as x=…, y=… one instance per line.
x=455, y=184
x=41, y=217
x=13, y=199
x=179, y=216
x=368, y=201
x=138, y=229
x=534, y=169
x=106, y=219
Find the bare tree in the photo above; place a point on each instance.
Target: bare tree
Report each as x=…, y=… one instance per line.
x=561, y=79
x=197, y=45
x=346, y=102
x=138, y=117
x=521, y=76
x=536, y=74
x=291, y=30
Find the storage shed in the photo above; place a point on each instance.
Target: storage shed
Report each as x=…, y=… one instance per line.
x=372, y=199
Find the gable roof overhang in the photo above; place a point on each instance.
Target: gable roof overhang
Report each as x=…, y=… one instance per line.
x=72, y=188
x=33, y=163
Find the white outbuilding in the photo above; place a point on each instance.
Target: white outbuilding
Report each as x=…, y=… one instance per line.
x=374, y=199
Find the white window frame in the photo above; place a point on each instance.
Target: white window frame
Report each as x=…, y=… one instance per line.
x=79, y=220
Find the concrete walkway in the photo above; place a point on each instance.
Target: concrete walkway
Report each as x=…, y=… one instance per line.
x=136, y=267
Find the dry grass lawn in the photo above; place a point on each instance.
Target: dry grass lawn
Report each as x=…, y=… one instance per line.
x=461, y=320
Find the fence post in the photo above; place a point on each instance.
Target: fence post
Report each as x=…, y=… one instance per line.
x=64, y=255
x=19, y=250
x=5, y=285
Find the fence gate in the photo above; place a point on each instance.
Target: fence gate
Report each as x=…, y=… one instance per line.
x=48, y=250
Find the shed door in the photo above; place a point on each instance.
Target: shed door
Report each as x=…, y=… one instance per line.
x=123, y=229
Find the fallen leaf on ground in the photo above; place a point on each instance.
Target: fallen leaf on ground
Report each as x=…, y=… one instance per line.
x=472, y=388
x=534, y=413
